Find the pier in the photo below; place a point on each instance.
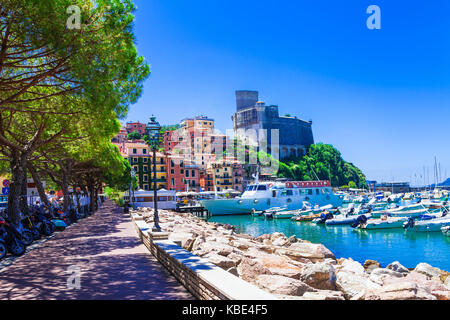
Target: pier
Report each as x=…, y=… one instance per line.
x=198, y=211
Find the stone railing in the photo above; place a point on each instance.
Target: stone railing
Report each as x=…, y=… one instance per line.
x=200, y=277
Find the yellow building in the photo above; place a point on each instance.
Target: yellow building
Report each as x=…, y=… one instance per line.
x=140, y=158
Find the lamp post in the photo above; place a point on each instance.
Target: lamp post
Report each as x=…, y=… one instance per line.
x=153, y=133
x=133, y=174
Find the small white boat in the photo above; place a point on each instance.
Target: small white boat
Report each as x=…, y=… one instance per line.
x=345, y=219
x=384, y=222
x=433, y=225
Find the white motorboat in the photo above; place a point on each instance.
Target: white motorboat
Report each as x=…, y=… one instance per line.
x=265, y=195
x=433, y=225
x=384, y=222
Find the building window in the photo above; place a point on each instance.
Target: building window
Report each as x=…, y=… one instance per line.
x=144, y=151
x=187, y=173
x=193, y=173
x=145, y=178
x=134, y=151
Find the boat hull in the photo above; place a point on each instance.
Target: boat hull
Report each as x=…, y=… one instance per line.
x=247, y=205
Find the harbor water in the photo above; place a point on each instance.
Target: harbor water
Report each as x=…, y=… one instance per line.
x=384, y=246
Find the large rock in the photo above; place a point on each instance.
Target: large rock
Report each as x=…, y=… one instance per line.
x=397, y=266
x=319, y=275
x=250, y=269
x=220, y=261
x=349, y=265
x=216, y=247
x=279, y=265
x=354, y=285
x=428, y=270
x=293, y=273
x=402, y=290
x=380, y=275
x=370, y=265
x=434, y=287
x=324, y=295
x=301, y=250
x=282, y=285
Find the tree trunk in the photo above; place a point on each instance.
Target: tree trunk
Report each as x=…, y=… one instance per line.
x=38, y=182
x=65, y=190
x=23, y=202
x=18, y=166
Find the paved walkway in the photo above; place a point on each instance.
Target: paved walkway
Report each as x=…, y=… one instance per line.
x=114, y=264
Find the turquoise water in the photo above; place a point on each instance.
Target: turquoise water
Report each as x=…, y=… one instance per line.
x=384, y=246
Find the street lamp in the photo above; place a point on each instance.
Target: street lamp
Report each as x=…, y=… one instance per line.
x=133, y=174
x=153, y=133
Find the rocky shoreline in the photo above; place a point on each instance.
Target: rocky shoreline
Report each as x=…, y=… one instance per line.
x=292, y=268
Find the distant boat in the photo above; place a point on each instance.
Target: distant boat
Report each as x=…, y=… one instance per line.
x=384, y=222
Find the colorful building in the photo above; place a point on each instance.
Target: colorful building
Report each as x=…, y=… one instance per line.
x=141, y=160
x=227, y=174
x=136, y=126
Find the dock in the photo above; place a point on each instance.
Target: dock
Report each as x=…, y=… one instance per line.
x=198, y=211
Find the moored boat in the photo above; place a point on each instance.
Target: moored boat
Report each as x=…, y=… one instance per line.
x=433, y=225
x=384, y=222
x=265, y=195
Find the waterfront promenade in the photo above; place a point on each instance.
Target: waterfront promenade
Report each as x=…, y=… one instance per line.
x=114, y=264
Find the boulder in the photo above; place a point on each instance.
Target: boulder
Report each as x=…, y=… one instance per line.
x=401, y=290
x=354, y=285
x=319, y=275
x=220, y=261
x=281, y=241
x=293, y=273
x=263, y=237
x=397, y=266
x=370, y=265
x=380, y=275
x=276, y=235
x=301, y=250
x=324, y=295
x=282, y=285
x=250, y=269
x=236, y=257
x=349, y=265
x=447, y=282
x=292, y=239
x=428, y=270
x=217, y=247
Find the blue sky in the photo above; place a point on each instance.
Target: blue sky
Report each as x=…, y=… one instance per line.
x=382, y=97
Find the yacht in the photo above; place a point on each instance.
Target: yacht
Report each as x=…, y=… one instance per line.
x=261, y=196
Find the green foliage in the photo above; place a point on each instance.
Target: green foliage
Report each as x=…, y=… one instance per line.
x=352, y=185
x=134, y=135
x=325, y=162
x=170, y=127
